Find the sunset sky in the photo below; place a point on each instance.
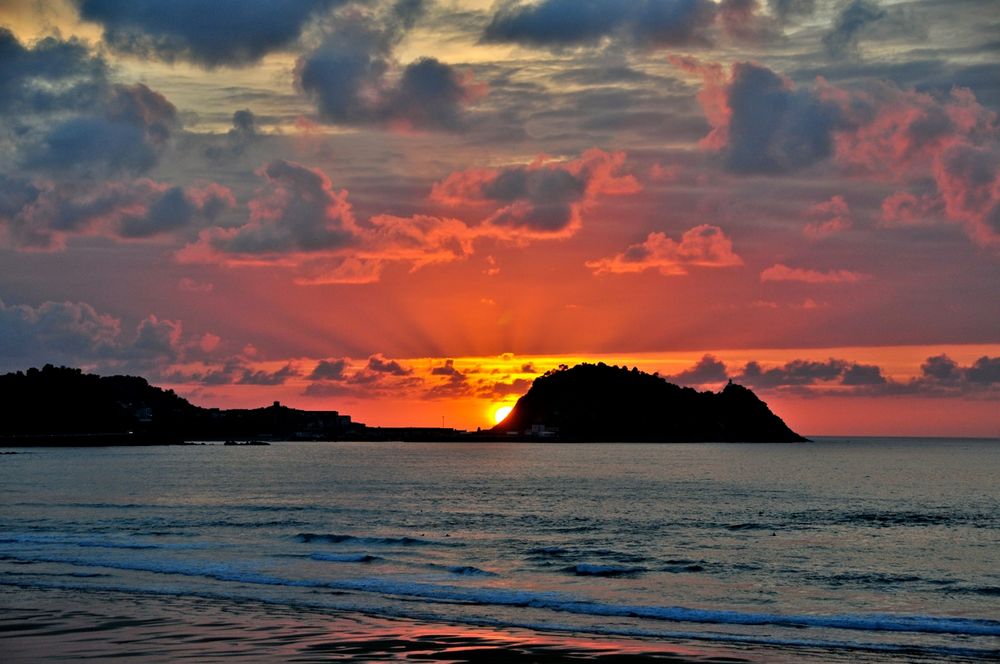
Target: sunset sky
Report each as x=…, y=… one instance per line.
x=406, y=210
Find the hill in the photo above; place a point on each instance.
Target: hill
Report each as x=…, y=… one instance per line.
x=597, y=402
x=60, y=405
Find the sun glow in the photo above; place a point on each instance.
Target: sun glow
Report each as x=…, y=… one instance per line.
x=501, y=413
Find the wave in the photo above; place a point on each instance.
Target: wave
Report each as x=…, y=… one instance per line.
x=813, y=644
x=345, y=557
x=461, y=570
x=586, y=569
x=371, y=541
x=560, y=602
x=682, y=568
x=62, y=540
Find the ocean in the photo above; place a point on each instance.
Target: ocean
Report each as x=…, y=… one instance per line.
x=849, y=550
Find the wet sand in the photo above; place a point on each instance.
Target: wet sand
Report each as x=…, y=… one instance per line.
x=59, y=625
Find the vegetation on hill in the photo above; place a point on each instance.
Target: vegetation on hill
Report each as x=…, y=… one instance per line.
x=607, y=403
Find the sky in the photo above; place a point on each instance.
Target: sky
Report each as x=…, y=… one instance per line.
x=406, y=210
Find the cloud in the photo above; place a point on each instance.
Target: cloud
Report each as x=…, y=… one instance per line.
x=709, y=369
x=888, y=132
x=446, y=369
x=355, y=80
x=905, y=209
x=828, y=218
x=786, y=9
x=76, y=334
x=242, y=135
x=127, y=135
x=940, y=377
x=796, y=372
x=701, y=246
x=968, y=178
x=863, y=374
x=264, y=377
x=297, y=211
x=499, y=390
x=646, y=24
x=380, y=364
x=985, y=371
x=299, y=221
x=852, y=21
x=189, y=285
x=41, y=215
x=760, y=121
x=779, y=272
x=231, y=33
x=943, y=376
x=378, y=377
x=330, y=369
x=543, y=199
x=51, y=75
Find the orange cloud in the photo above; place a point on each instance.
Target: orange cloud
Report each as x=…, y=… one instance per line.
x=543, y=199
x=701, y=246
x=779, y=272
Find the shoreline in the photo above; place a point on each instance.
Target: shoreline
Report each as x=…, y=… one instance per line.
x=152, y=627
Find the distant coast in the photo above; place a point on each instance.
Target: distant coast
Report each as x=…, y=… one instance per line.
x=61, y=406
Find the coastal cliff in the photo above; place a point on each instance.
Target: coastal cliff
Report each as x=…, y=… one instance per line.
x=597, y=402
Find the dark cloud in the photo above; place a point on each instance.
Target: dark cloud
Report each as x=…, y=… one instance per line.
x=940, y=376
x=354, y=78
x=227, y=32
x=786, y=9
x=242, y=135
x=263, y=377
x=127, y=136
x=447, y=369
x=499, y=390
x=330, y=370
x=709, y=369
x=852, y=21
x=541, y=199
x=51, y=75
x=41, y=215
x=773, y=127
x=863, y=374
x=379, y=364
x=299, y=211
x=985, y=371
x=794, y=373
x=941, y=368
x=639, y=24
x=75, y=333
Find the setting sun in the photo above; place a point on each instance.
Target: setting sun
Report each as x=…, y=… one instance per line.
x=501, y=413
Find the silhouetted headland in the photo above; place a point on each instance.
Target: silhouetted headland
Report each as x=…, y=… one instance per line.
x=64, y=406
x=589, y=402
x=597, y=402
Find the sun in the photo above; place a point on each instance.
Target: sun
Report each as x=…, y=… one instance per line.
x=501, y=413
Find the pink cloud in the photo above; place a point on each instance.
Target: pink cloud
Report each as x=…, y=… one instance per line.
x=905, y=209
x=779, y=272
x=701, y=246
x=545, y=198
x=968, y=178
x=828, y=218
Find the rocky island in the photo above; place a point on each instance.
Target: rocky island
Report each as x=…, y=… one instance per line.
x=597, y=402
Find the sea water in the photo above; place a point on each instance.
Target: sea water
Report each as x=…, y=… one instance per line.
x=839, y=549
